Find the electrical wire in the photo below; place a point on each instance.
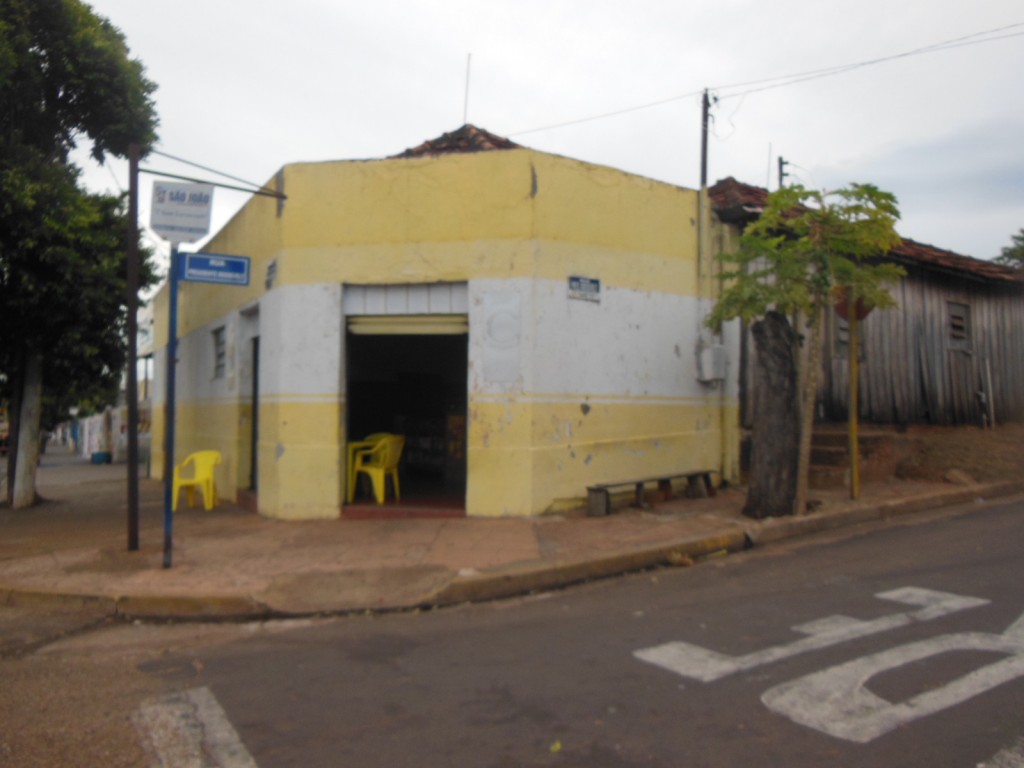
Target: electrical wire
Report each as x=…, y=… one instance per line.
x=838, y=70
x=617, y=112
x=955, y=42
x=782, y=81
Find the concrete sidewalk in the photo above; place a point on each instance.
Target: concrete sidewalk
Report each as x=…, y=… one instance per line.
x=71, y=551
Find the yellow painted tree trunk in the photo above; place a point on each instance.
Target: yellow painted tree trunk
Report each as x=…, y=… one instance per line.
x=810, y=396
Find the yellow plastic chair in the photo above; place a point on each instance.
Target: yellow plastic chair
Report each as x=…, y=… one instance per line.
x=380, y=462
x=367, y=444
x=203, y=463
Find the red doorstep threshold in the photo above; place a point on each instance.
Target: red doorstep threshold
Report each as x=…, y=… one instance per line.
x=419, y=508
x=369, y=510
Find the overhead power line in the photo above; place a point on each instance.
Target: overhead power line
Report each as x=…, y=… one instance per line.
x=637, y=108
x=801, y=77
x=781, y=81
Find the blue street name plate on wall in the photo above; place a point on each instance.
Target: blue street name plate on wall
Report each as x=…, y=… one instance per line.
x=215, y=268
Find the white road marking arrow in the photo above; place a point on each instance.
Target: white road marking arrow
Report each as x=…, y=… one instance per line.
x=699, y=663
x=836, y=700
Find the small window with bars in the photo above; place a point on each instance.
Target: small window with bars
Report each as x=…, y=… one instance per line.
x=219, y=354
x=959, y=326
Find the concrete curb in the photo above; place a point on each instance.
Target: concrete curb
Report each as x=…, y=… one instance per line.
x=521, y=578
x=21, y=597
x=766, y=531
x=533, y=576
x=168, y=607
x=194, y=608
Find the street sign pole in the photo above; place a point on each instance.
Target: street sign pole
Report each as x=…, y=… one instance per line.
x=180, y=213
x=132, y=275
x=169, y=409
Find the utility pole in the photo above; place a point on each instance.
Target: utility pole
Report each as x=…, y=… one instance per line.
x=132, y=274
x=782, y=172
x=169, y=404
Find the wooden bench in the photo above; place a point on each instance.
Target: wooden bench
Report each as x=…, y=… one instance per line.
x=599, y=497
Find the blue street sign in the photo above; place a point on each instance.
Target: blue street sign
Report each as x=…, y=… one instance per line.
x=215, y=268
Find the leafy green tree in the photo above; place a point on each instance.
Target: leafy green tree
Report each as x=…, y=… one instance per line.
x=805, y=244
x=65, y=77
x=1013, y=255
x=65, y=72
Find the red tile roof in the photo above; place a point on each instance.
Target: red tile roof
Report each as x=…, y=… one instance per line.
x=468, y=138
x=913, y=253
x=735, y=202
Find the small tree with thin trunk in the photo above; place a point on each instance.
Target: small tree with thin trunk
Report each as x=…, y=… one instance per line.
x=805, y=244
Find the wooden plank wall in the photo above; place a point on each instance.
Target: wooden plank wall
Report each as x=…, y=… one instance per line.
x=908, y=372
x=911, y=371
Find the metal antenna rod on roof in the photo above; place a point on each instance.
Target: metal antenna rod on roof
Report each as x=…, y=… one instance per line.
x=705, y=116
x=465, y=101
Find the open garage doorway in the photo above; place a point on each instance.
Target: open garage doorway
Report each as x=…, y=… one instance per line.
x=406, y=378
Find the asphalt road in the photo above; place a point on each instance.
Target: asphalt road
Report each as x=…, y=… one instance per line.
x=698, y=667
x=898, y=645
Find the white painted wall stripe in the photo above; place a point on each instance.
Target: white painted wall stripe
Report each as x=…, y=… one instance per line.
x=191, y=730
x=590, y=399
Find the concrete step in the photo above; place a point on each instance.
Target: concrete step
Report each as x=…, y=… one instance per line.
x=869, y=442
x=829, y=456
x=821, y=478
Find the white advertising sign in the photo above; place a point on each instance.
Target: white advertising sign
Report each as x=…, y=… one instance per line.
x=181, y=212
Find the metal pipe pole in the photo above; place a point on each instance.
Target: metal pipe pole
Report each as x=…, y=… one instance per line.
x=705, y=116
x=172, y=354
x=132, y=273
x=854, y=400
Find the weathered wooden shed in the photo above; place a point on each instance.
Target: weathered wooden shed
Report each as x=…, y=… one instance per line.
x=952, y=352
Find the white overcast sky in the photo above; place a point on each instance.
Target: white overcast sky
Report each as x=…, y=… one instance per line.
x=246, y=87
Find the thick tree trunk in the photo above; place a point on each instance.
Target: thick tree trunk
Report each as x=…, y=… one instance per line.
x=30, y=412
x=776, y=420
x=17, y=375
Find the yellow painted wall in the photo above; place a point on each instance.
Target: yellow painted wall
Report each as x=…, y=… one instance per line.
x=452, y=218
x=256, y=232
x=483, y=215
x=561, y=450
x=300, y=460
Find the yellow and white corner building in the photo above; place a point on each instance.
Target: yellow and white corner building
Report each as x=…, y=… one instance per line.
x=533, y=324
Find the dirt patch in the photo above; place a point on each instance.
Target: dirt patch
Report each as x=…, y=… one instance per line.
x=986, y=455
